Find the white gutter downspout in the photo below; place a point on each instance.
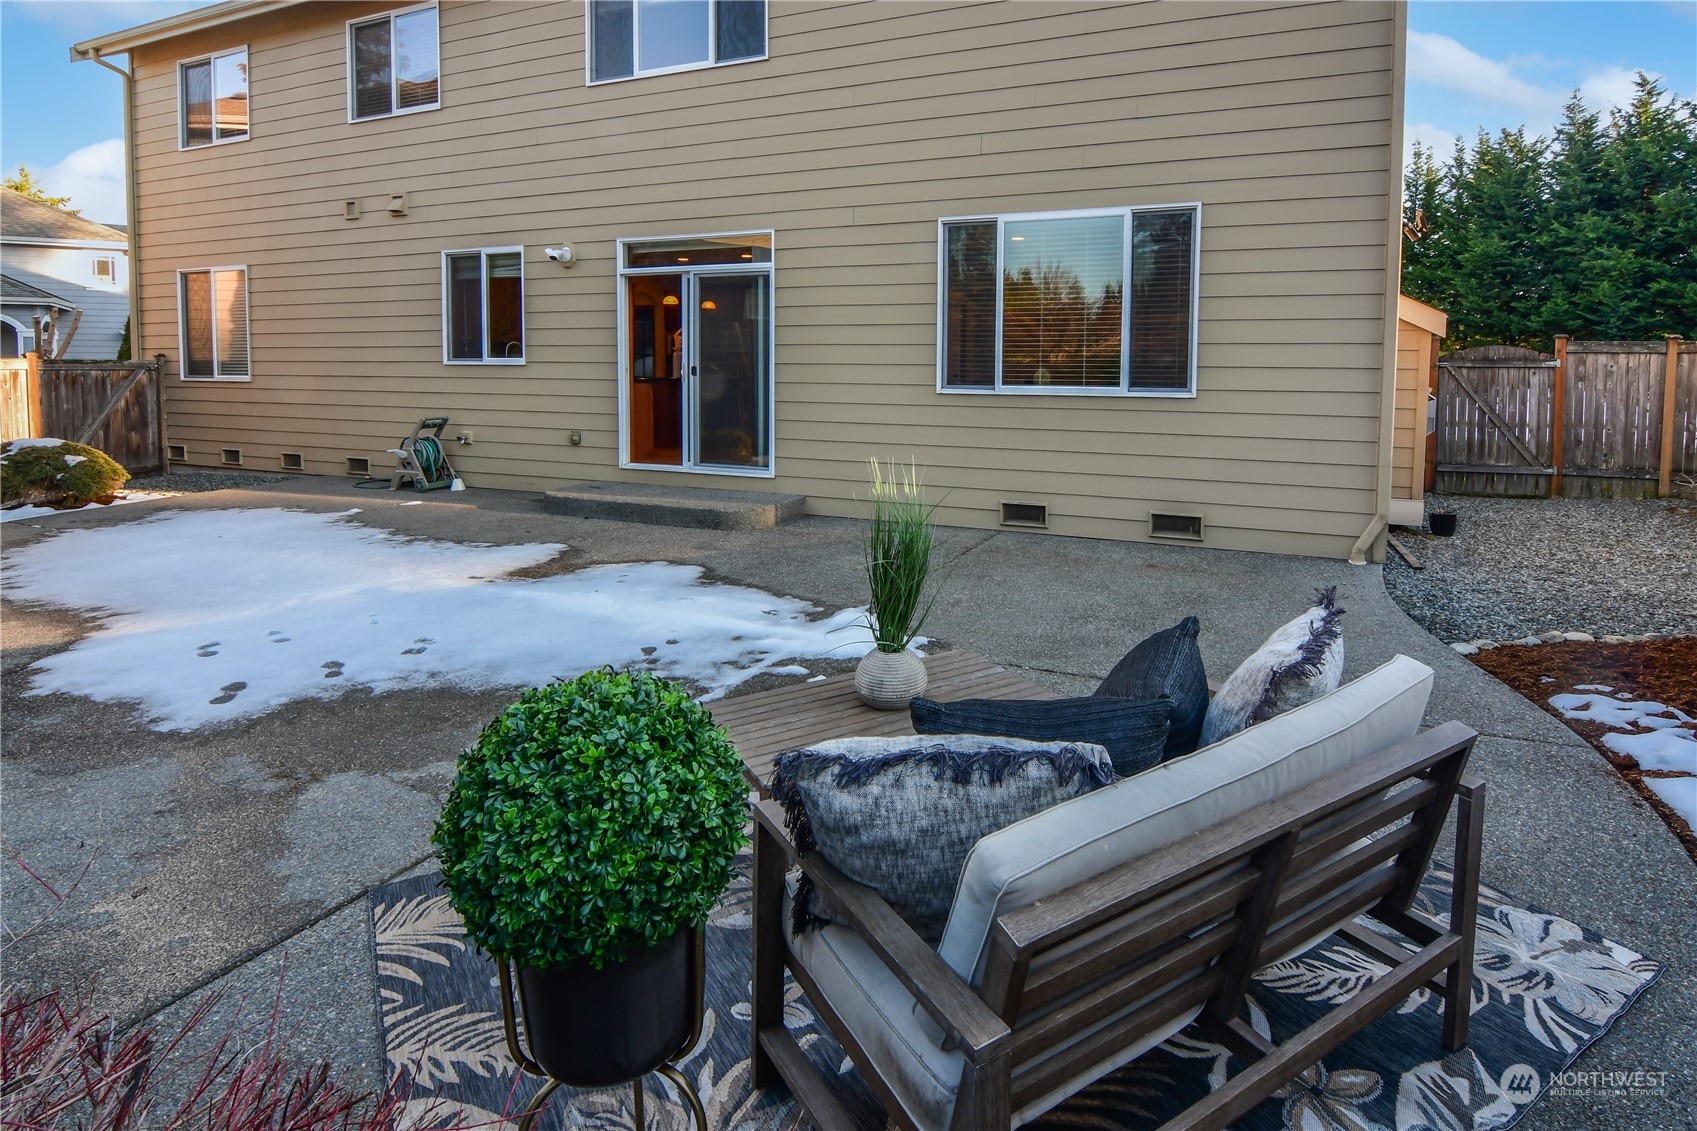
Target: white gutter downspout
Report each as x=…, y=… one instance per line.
x=133, y=228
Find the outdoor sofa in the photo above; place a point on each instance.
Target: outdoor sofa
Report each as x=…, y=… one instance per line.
x=1085, y=935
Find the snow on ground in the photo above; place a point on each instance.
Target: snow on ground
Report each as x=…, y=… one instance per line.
x=213, y=616
x=1662, y=738
x=16, y=513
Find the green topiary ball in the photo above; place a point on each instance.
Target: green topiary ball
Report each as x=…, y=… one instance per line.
x=57, y=473
x=591, y=819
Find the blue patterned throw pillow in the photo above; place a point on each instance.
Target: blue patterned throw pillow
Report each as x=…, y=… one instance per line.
x=900, y=814
x=1134, y=734
x=1167, y=665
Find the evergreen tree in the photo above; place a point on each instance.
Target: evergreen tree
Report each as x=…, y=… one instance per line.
x=26, y=184
x=1592, y=233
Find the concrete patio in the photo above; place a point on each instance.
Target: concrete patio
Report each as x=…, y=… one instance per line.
x=219, y=851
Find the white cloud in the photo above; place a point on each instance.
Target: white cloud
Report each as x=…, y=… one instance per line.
x=1438, y=142
x=1443, y=62
x=1606, y=89
x=1491, y=84
x=93, y=177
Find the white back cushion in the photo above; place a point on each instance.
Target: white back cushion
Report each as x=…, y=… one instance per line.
x=1088, y=835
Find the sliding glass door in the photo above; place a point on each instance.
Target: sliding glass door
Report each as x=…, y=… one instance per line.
x=696, y=354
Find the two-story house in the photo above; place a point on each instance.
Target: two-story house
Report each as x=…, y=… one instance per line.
x=54, y=262
x=1124, y=270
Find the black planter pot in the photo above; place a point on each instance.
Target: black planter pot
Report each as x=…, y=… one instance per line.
x=590, y=1028
x=1442, y=523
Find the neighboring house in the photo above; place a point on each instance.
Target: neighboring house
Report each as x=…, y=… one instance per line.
x=53, y=260
x=1122, y=270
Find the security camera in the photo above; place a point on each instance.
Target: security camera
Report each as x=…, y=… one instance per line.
x=561, y=255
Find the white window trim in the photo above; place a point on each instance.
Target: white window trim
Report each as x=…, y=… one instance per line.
x=1125, y=389
x=394, y=74
x=622, y=313
x=447, y=297
x=183, y=324
x=26, y=334
x=589, y=78
x=182, y=110
x=111, y=276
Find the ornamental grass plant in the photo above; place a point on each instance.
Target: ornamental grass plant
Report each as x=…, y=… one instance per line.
x=591, y=820
x=899, y=542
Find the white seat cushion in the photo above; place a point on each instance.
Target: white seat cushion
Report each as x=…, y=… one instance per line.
x=1088, y=835
x=901, y=1039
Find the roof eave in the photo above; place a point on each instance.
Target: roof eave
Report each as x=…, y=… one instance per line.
x=216, y=15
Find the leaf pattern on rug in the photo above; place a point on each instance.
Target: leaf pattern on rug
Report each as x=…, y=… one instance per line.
x=1442, y=1095
x=1544, y=988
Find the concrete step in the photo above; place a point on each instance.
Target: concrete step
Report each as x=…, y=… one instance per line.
x=702, y=507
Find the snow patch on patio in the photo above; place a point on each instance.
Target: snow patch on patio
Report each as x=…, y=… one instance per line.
x=215, y=616
x=12, y=514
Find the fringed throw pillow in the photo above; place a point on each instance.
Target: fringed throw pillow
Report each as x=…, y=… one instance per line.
x=1133, y=733
x=1167, y=665
x=1301, y=661
x=900, y=814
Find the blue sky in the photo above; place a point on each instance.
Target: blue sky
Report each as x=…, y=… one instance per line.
x=1472, y=65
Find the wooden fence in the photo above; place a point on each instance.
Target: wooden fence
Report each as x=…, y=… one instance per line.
x=1625, y=429
x=116, y=406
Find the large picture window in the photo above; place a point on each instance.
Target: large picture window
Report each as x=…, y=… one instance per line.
x=212, y=98
x=483, y=306
x=393, y=63
x=212, y=321
x=1100, y=301
x=642, y=37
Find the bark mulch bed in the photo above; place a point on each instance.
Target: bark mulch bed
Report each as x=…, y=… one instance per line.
x=1664, y=671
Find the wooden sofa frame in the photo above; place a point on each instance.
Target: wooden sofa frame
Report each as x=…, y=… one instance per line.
x=1186, y=925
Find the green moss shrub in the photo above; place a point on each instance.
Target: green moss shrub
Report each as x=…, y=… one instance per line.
x=590, y=820
x=57, y=473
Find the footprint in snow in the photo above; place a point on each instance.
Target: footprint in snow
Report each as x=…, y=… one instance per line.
x=207, y=650
x=333, y=669
x=230, y=690
x=277, y=637
x=649, y=651
x=419, y=646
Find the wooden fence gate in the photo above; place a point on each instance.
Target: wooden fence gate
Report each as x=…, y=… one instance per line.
x=116, y=406
x=1625, y=428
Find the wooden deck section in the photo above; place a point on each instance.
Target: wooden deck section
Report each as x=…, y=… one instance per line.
x=770, y=723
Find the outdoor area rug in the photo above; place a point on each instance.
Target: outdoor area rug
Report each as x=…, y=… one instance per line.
x=1544, y=989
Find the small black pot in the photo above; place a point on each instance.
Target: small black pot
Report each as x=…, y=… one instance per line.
x=1442, y=523
x=591, y=1028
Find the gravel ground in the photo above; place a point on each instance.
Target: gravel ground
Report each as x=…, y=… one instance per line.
x=1519, y=567
x=190, y=482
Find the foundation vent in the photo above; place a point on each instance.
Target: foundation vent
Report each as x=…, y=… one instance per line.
x=1025, y=514
x=179, y=453
x=292, y=461
x=232, y=457
x=1167, y=525
x=359, y=465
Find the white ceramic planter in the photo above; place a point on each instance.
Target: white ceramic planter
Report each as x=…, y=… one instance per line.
x=889, y=681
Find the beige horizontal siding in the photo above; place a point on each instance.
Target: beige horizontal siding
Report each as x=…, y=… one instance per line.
x=867, y=123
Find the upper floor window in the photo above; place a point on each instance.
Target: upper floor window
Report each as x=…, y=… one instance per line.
x=213, y=95
x=212, y=318
x=106, y=268
x=1100, y=301
x=393, y=64
x=483, y=306
x=643, y=37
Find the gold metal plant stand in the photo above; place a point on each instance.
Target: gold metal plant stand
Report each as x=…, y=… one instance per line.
x=669, y=1070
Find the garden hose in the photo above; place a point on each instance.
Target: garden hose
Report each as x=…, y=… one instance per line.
x=428, y=451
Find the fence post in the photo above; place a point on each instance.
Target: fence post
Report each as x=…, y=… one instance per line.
x=1558, y=415
x=32, y=393
x=1670, y=383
